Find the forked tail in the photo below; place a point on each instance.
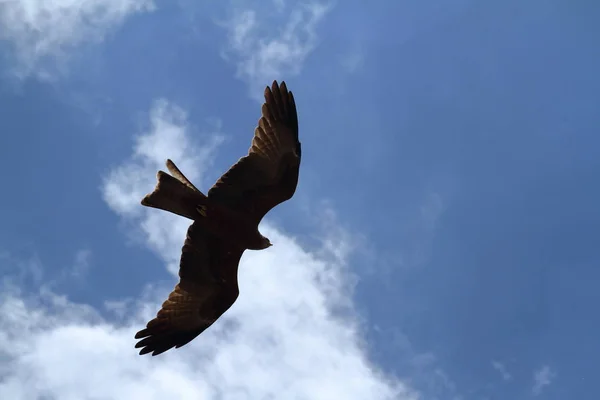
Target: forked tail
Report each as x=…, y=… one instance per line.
x=175, y=194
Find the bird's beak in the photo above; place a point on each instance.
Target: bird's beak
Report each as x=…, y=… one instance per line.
x=270, y=244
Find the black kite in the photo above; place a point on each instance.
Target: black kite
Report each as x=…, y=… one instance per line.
x=225, y=224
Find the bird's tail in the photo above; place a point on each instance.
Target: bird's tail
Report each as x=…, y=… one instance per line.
x=175, y=194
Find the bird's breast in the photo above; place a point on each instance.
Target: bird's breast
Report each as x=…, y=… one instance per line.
x=230, y=225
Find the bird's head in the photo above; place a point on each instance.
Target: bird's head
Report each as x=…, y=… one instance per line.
x=265, y=243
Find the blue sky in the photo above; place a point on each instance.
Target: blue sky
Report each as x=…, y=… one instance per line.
x=441, y=244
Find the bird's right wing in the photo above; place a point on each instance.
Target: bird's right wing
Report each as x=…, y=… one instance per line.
x=268, y=175
x=207, y=288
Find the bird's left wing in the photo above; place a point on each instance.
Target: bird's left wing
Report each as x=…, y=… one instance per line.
x=206, y=289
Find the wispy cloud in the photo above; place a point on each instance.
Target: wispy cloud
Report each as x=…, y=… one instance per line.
x=280, y=339
x=81, y=263
x=423, y=229
x=269, y=43
x=21, y=270
x=28, y=271
x=501, y=368
x=42, y=32
x=353, y=61
x=424, y=368
x=542, y=378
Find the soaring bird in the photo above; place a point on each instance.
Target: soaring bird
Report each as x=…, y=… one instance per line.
x=225, y=224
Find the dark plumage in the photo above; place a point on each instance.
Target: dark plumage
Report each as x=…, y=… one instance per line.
x=225, y=224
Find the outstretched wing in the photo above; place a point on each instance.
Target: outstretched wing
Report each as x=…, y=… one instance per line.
x=268, y=175
x=206, y=289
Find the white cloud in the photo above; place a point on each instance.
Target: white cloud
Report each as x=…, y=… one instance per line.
x=542, y=378
x=42, y=31
x=281, y=338
x=267, y=42
x=501, y=368
x=126, y=185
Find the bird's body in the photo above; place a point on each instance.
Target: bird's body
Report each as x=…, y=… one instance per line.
x=225, y=224
x=221, y=221
x=234, y=227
